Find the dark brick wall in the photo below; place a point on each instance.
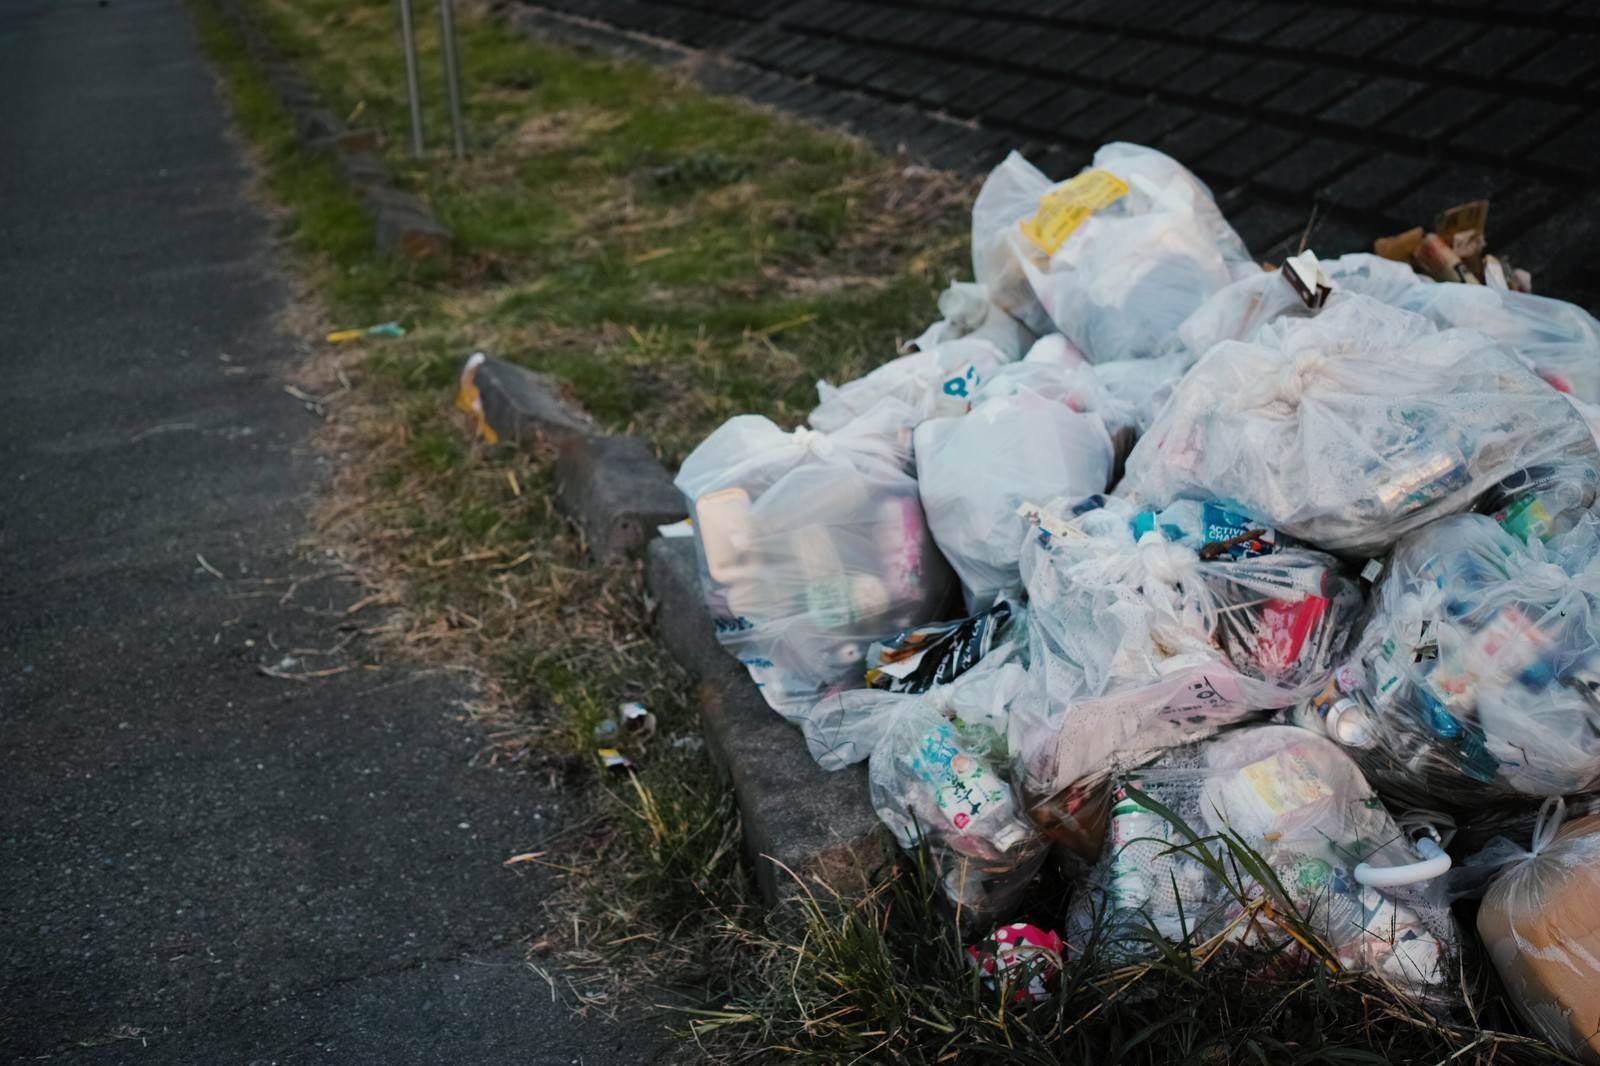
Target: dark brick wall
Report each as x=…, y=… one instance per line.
x=1376, y=114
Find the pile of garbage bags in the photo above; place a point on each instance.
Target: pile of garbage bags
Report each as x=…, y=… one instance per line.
x=1145, y=555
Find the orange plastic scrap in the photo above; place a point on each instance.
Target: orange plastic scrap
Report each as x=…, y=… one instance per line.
x=469, y=400
x=1401, y=247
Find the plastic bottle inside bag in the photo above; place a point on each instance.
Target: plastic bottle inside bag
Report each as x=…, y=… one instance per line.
x=1473, y=680
x=1304, y=809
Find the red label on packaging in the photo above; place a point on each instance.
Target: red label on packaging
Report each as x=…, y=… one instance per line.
x=1285, y=627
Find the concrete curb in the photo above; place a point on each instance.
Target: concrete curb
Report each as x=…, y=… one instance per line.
x=613, y=487
x=797, y=816
x=532, y=409
x=618, y=491
x=409, y=232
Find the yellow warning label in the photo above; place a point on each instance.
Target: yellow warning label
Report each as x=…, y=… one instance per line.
x=1063, y=209
x=1285, y=782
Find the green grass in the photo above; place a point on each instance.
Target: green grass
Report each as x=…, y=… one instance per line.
x=327, y=225
x=604, y=203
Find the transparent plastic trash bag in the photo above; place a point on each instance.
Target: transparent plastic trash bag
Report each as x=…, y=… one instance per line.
x=1590, y=413
x=929, y=382
x=1543, y=502
x=938, y=777
x=1301, y=805
x=1239, y=311
x=1119, y=399
x=1559, y=340
x=1009, y=196
x=811, y=546
x=974, y=471
x=1352, y=428
x=1151, y=631
x=1540, y=924
x=968, y=312
x=1476, y=678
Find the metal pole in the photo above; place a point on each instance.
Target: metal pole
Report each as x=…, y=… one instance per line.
x=408, y=38
x=452, y=78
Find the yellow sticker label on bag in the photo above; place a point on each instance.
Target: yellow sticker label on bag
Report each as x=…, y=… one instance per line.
x=1285, y=782
x=1063, y=209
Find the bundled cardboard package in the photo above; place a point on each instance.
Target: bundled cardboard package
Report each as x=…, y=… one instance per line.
x=1540, y=922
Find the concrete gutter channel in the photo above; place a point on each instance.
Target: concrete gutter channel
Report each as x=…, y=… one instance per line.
x=798, y=818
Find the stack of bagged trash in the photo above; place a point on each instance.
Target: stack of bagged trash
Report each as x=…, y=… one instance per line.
x=1144, y=553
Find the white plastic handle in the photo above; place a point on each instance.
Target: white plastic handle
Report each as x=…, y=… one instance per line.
x=1435, y=861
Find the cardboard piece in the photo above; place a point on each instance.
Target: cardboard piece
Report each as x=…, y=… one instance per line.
x=1470, y=217
x=1307, y=278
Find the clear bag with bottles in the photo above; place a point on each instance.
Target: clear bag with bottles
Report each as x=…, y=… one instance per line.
x=1295, y=800
x=1350, y=429
x=1151, y=630
x=1476, y=678
x=811, y=546
x=939, y=777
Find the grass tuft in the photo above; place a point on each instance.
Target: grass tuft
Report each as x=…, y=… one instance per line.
x=885, y=977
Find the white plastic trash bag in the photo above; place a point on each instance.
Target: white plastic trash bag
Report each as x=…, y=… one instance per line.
x=1117, y=256
x=1119, y=399
x=1559, y=340
x=929, y=382
x=977, y=469
x=1350, y=429
x=811, y=546
x=1009, y=197
x=1147, y=631
x=968, y=312
x=1476, y=679
x=1239, y=311
x=1303, y=807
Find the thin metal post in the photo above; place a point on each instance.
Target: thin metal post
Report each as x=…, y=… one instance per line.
x=452, y=77
x=408, y=38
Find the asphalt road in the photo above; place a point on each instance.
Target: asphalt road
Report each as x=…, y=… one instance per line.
x=200, y=863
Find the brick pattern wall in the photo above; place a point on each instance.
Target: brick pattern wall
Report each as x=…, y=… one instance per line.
x=1376, y=114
